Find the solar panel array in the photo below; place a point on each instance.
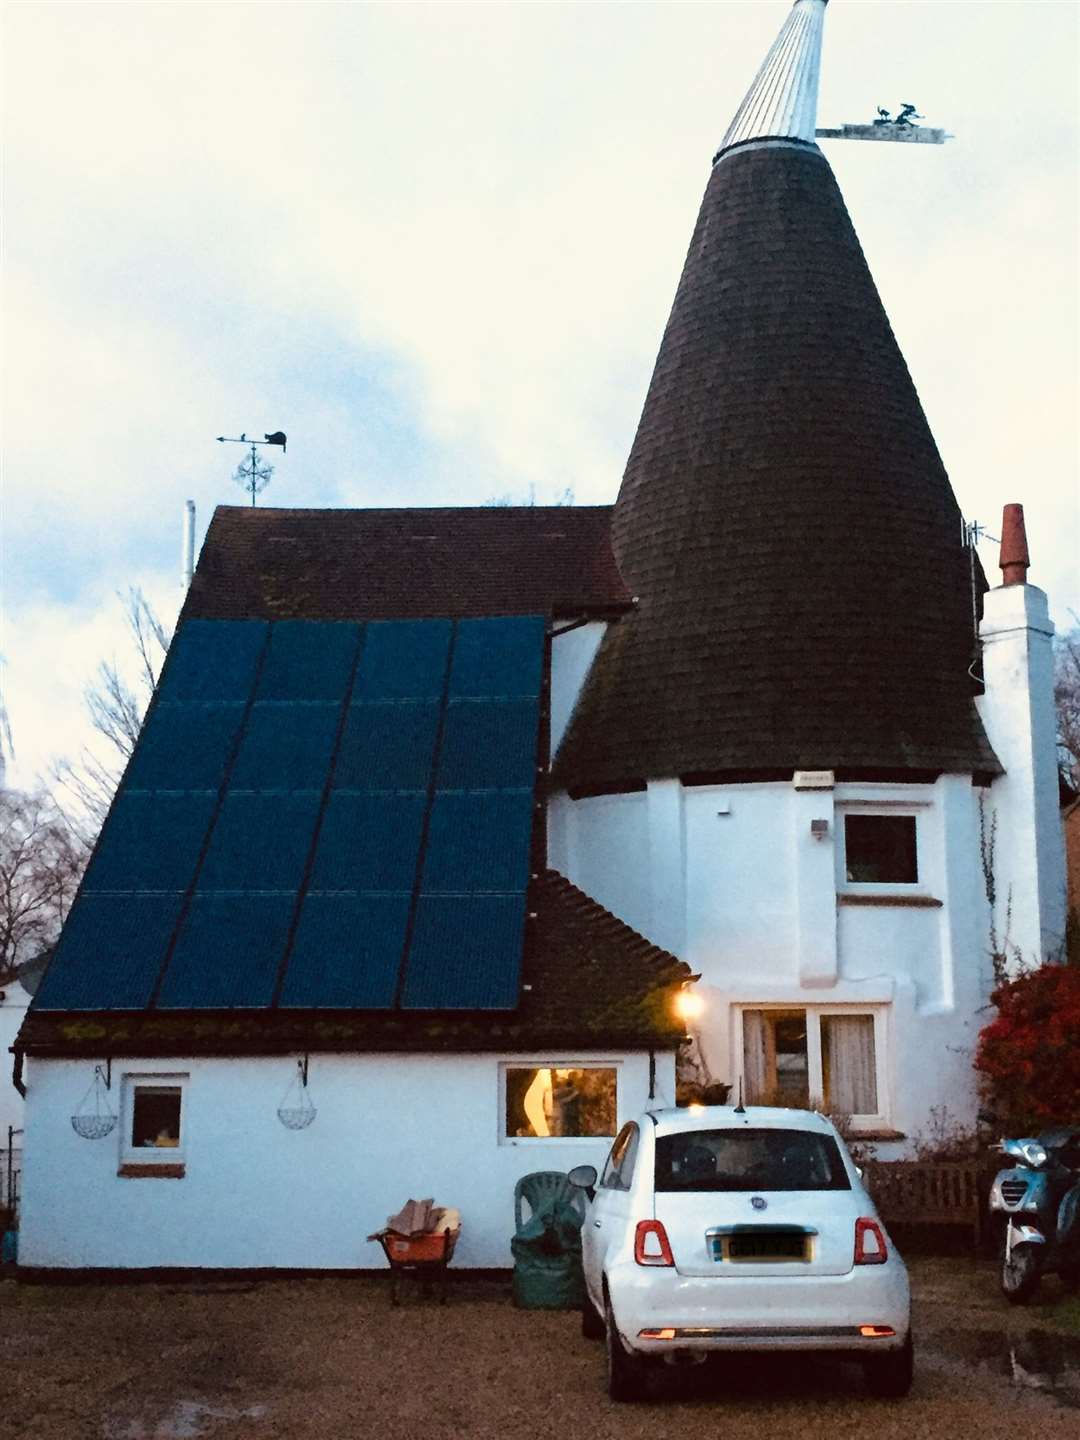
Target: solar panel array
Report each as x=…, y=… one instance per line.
x=318, y=815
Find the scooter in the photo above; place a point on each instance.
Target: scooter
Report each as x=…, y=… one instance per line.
x=1039, y=1200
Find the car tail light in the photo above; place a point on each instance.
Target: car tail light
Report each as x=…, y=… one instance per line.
x=876, y=1332
x=870, y=1246
x=651, y=1244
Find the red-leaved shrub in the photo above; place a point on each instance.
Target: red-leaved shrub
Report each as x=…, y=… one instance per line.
x=1029, y=1056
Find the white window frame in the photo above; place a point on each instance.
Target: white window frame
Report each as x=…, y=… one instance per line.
x=912, y=810
x=149, y=1155
x=815, y=1074
x=545, y=1062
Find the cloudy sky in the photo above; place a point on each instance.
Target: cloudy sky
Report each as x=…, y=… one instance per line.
x=437, y=244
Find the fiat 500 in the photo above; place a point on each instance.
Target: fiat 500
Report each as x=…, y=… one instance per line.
x=728, y=1228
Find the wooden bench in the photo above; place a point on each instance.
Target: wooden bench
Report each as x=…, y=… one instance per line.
x=927, y=1192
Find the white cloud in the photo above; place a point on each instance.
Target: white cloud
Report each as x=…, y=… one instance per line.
x=437, y=244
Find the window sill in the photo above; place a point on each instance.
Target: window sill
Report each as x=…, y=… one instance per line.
x=878, y=1133
x=142, y=1171
x=914, y=902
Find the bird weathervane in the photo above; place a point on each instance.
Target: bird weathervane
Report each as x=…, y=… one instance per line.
x=252, y=473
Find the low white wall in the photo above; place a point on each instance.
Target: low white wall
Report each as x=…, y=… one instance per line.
x=388, y=1128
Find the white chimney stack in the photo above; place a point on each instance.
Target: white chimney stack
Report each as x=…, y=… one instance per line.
x=1018, y=712
x=187, y=547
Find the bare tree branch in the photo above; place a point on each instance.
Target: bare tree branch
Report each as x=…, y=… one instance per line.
x=41, y=860
x=116, y=709
x=1067, y=701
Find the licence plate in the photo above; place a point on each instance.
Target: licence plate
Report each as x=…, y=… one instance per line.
x=777, y=1245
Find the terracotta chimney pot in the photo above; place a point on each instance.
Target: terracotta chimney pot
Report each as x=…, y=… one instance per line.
x=1014, y=558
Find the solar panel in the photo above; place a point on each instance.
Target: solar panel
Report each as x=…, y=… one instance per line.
x=184, y=747
x=388, y=746
x=466, y=953
x=489, y=745
x=369, y=841
x=286, y=747
x=498, y=658
x=110, y=953
x=308, y=661
x=479, y=842
x=154, y=841
x=228, y=952
x=260, y=842
x=414, y=804
x=403, y=660
x=213, y=660
x=347, y=952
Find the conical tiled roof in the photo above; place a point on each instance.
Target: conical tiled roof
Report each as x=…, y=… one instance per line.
x=804, y=597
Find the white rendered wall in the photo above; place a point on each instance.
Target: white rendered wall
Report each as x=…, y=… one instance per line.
x=12, y=1012
x=389, y=1128
x=1018, y=712
x=572, y=653
x=762, y=911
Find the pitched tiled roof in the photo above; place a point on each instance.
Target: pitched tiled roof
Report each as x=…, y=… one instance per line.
x=785, y=518
x=589, y=981
x=401, y=564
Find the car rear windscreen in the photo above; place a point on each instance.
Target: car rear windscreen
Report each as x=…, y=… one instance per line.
x=749, y=1160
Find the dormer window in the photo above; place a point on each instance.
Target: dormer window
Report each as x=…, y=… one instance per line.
x=880, y=850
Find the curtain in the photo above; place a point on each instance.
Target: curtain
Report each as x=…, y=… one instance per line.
x=847, y=1052
x=755, y=1057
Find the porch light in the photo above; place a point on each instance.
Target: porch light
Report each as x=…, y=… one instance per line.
x=689, y=1004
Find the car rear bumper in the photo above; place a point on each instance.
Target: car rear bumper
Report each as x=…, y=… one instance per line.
x=825, y=1312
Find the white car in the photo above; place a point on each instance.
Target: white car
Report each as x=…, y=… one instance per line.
x=719, y=1229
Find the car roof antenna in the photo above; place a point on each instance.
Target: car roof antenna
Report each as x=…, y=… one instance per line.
x=740, y=1108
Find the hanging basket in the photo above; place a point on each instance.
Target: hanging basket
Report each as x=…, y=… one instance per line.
x=93, y=1127
x=296, y=1117
x=94, y=1119
x=296, y=1111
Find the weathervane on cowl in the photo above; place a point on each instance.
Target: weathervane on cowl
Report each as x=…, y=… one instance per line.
x=252, y=473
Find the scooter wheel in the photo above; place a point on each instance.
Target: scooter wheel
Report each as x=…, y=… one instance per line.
x=1020, y=1272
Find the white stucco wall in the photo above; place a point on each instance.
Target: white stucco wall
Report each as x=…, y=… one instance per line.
x=1018, y=712
x=12, y=1011
x=572, y=653
x=254, y=1194
x=763, y=912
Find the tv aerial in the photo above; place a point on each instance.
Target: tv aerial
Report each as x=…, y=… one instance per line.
x=253, y=474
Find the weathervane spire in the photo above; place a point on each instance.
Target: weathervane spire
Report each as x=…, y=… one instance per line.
x=781, y=104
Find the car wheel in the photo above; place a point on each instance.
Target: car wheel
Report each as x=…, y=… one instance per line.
x=1020, y=1272
x=625, y=1372
x=889, y=1376
x=592, y=1322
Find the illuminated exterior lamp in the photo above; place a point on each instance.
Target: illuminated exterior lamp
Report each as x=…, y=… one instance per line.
x=688, y=1003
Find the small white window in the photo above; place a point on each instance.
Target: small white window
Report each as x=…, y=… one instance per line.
x=829, y=1059
x=154, y=1122
x=545, y=1102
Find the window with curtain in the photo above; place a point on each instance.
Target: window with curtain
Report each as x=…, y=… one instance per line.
x=806, y=1058
x=849, y=1064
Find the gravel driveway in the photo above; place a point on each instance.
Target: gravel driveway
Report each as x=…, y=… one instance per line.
x=330, y=1358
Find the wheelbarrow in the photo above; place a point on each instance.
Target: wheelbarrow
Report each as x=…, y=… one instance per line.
x=424, y=1257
